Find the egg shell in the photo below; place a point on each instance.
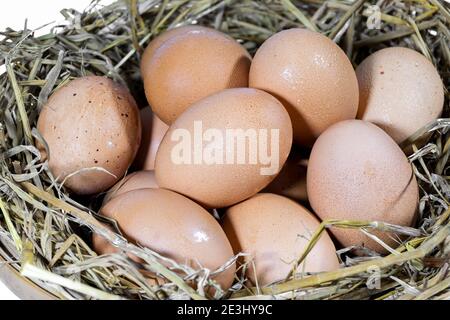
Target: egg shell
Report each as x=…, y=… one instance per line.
x=217, y=185
x=187, y=64
x=153, y=130
x=311, y=76
x=158, y=41
x=275, y=231
x=90, y=122
x=137, y=180
x=400, y=91
x=357, y=172
x=171, y=225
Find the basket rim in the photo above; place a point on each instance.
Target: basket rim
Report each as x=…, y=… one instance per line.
x=24, y=288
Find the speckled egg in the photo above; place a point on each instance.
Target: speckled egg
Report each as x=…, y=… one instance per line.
x=171, y=225
x=186, y=64
x=92, y=128
x=357, y=172
x=275, y=231
x=311, y=76
x=153, y=131
x=225, y=148
x=137, y=180
x=400, y=91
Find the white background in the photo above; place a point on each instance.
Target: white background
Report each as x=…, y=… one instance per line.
x=38, y=12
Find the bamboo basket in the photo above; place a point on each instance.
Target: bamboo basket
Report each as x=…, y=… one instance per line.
x=45, y=234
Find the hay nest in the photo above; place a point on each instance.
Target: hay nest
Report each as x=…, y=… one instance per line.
x=44, y=232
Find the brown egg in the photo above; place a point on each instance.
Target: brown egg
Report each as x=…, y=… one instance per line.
x=153, y=130
x=171, y=225
x=400, y=91
x=357, y=172
x=187, y=64
x=157, y=42
x=225, y=148
x=291, y=181
x=275, y=231
x=133, y=181
x=311, y=76
x=90, y=122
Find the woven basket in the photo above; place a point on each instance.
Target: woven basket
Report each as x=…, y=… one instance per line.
x=39, y=221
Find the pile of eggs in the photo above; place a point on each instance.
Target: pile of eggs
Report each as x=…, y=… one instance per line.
x=300, y=84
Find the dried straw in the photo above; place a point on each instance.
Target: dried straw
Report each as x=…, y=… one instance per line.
x=44, y=233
